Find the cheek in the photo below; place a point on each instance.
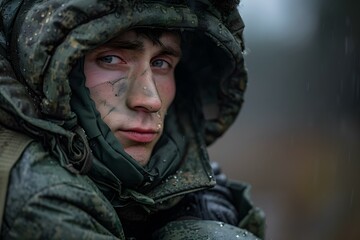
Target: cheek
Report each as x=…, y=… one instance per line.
x=96, y=75
x=168, y=90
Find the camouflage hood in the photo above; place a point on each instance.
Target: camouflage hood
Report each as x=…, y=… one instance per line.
x=41, y=42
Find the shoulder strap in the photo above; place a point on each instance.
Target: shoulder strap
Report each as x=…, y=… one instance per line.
x=12, y=145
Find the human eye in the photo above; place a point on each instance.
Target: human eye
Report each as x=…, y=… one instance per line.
x=160, y=63
x=110, y=59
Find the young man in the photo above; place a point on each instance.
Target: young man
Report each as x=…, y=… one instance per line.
x=106, y=111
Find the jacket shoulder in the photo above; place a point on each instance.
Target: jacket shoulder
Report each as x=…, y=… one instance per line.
x=44, y=200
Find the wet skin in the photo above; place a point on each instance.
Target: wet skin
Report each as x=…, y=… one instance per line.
x=131, y=80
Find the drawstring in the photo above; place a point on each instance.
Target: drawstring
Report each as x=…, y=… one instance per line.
x=78, y=152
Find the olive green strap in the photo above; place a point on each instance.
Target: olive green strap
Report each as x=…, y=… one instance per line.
x=12, y=144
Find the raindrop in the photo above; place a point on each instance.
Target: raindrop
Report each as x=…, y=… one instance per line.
x=220, y=28
x=60, y=14
x=221, y=224
x=245, y=234
x=42, y=15
x=237, y=236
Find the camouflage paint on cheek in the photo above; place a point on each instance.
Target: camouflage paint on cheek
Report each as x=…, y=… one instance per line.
x=118, y=86
x=111, y=109
x=102, y=106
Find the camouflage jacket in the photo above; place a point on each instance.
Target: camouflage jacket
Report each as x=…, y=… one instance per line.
x=62, y=187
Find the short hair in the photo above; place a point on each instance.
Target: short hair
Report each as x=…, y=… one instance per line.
x=154, y=34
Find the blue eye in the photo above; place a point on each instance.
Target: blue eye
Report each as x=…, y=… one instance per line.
x=110, y=59
x=160, y=64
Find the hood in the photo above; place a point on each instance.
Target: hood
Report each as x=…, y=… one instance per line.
x=42, y=41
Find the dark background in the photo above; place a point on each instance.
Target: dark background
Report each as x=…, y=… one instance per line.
x=297, y=138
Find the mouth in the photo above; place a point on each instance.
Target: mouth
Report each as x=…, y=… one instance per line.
x=139, y=135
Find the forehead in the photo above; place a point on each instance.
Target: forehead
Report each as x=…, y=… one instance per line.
x=163, y=38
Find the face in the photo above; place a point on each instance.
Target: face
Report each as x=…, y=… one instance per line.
x=131, y=80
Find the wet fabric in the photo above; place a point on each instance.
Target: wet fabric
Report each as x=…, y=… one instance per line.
x=66, y=170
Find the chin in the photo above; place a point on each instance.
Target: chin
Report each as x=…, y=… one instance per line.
x=139, y=156
x=142, y=162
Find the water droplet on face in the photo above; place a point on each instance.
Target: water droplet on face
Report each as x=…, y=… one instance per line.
x=158, y=114
x=159, y=126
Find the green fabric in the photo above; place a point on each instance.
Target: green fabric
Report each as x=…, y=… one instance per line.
x=12, y=145
x=201, y=230
x=252, y=218
x=40, y=43
x=46, y=201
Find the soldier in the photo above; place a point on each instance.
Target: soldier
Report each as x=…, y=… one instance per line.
x=106, y=111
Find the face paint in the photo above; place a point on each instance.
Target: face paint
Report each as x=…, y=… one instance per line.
x=133, y=88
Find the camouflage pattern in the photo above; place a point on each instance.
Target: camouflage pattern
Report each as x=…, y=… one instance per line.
x=40, y=42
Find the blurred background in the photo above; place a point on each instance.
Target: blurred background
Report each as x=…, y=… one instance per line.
x=297, y=138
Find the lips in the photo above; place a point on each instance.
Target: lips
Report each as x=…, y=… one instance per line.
x=139, y=135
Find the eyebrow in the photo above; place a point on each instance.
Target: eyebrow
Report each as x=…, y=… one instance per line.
x=139, y=46
x=130, y=45
x=168, y=50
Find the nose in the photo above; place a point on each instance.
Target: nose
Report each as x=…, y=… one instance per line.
x=142, y=94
